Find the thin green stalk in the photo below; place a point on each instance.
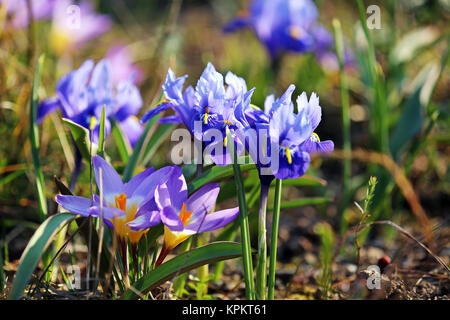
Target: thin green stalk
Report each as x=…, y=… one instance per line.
x=274, y=238
x=180, y=281
x=34, y=141
x=346, y=176
x=243, y=216
x=261, y=267
x=202, y=271
x=379, y=106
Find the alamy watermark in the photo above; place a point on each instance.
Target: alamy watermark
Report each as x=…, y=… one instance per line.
x=73, y=21
x=374, y=278
x=373, y=21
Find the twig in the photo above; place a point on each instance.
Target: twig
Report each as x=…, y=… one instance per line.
x=401, y=230
x=400, y=179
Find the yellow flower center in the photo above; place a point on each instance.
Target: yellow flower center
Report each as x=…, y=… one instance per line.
x=287, y=152
x=174, y=238
x=205, y=116
x=120, y=223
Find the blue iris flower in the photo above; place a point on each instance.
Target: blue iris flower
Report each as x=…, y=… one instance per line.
x=281, y=141
x=82, y=93
x=207, y=107
x=284, y=25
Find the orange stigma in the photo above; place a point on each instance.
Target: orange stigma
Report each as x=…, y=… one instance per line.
x=121, y=202
x=185, y=215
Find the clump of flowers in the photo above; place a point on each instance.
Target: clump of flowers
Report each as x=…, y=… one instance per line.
x=207, y=111
x=284, y=25
x=82, y=93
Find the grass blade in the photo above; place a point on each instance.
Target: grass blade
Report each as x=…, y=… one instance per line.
x=34, y=250
x=34, y=139
x=303, y=202
x=186, y=261
x=134, y=159
x=274, y=238
x=216, y=173
x=102, y=135
x=122, y=144
x=243, y=217
x=81, y=137
x=156, y=140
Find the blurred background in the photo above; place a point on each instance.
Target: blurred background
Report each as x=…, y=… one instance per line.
x=405, y=116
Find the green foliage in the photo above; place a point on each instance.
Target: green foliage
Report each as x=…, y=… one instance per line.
x=327, y=242
x=34, y=250
x=184, y=262
x=34, y=141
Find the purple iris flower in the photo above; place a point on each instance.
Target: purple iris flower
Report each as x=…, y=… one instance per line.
x=185, y=216
x=18, y=11
x=284, y=25
x=123, y=203
x=82, y=93
x=74, y=24
x=280, y=143
x=206, y=109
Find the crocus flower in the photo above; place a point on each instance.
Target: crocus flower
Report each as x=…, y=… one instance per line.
x=123, y=203
x=286, y=139
x=18, y=11
x=185, y=216
x=283, y=25
x=82, y=93
x=74, y=24
x=206, y=108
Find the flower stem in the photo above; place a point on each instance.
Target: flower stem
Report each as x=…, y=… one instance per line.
x=261, y=267
x=274, y=238
x=245, y=232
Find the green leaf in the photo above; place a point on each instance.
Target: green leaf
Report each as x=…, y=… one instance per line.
x=122, y=144
x=413, y=115
x=163, y=131
x=34, y=140
x=102, y=135
x=216, y=173
x=81, y=137
x=133, y=161
x=303, y=202
x=13, y=175
x=184, y=262
x=34, y=250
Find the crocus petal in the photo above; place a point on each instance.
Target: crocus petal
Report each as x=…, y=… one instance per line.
x=171, y=219
x=146, y=189
x=107, y=212
x=213, y=221
x=202, y=201
x=45, y=107
x=145, y=221
x=112, y=184
x=131, y=185
x=173, y=192
x=74, y=204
